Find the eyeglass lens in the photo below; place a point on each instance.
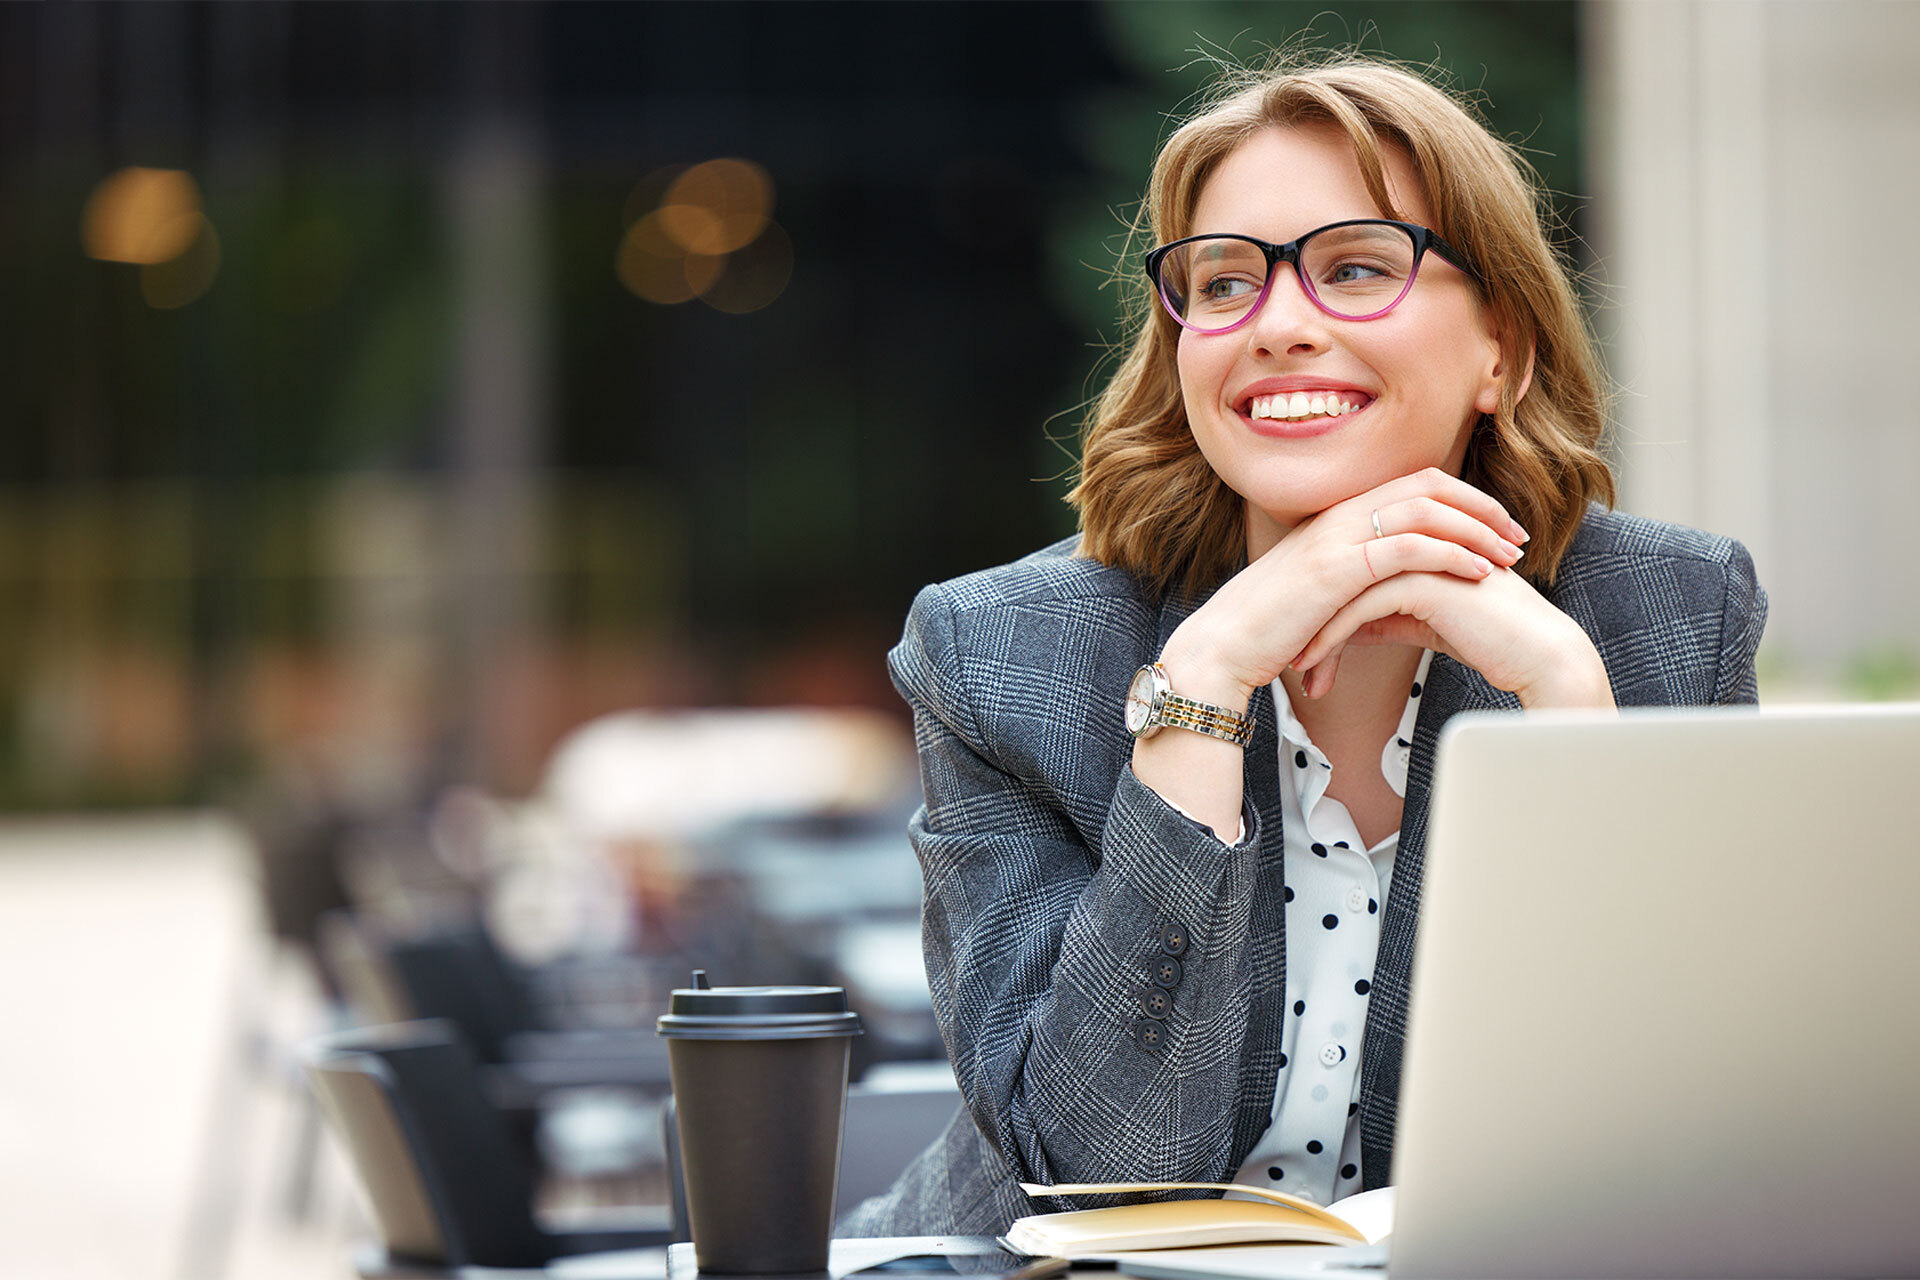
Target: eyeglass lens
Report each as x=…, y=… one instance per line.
x=1354, y=272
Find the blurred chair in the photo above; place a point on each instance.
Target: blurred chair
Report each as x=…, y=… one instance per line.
x=583, y=1102
x=891, y=1117
x=456, y=972
x=446, y=1185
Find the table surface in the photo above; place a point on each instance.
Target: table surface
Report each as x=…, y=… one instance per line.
x=677, y=1263
x=845, y=1256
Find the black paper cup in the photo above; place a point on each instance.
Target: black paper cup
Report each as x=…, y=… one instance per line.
x=760, y=1088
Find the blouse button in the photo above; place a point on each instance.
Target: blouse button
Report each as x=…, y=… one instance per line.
x=1356, y=899
x=1331, y=1054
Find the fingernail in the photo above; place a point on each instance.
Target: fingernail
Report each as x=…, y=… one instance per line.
x=1511, y=550
x=1480, y=563
x=1519, y=534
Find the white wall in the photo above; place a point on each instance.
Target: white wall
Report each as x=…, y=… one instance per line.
x=1754, y=183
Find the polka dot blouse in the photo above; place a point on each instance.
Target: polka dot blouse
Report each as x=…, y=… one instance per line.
x=1334, y=890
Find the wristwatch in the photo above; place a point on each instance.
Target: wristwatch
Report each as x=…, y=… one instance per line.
x=1152, y=703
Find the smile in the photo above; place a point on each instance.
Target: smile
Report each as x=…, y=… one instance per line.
x=1303, y=404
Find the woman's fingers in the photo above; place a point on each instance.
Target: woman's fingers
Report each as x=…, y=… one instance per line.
x=1317, y=681
x=1429, y=515
x=1501, y=627
x=1450, y=491
x=1397, y=628
x=1429, y=523
x=1403, y=595
x=1419, y=553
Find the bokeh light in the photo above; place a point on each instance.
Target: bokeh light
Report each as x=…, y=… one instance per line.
x=754, y=275
x=649, y=193
x=141, y=216
x=183, y=278
x=717, y=207
x=705, y=232
x=656, y=268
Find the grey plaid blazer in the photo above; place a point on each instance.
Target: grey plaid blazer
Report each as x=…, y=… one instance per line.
x=1051, y=873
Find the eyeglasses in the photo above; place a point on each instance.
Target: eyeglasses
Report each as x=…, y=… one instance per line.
x=1356, y=270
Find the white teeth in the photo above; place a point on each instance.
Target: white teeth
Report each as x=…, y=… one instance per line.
x=1299, y=405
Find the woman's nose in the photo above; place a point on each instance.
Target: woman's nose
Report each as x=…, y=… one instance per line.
x=1288, y=319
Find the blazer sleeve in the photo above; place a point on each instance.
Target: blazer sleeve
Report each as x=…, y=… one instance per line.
x=1743, y=616
x=1044, y=954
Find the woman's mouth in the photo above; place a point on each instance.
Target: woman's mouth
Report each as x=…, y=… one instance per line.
x=1299, y=405
x=1293, y=415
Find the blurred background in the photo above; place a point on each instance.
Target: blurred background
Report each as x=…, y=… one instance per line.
x=464, y=464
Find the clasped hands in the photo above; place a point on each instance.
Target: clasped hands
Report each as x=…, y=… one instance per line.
x=1437, y=574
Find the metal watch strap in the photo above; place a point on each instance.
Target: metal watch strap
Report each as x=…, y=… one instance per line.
x=1176, y=712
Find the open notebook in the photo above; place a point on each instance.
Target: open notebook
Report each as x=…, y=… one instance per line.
x=1259, y=1215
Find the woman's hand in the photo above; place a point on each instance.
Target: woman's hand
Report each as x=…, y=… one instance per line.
x=1431, y=524
x=1500, y=626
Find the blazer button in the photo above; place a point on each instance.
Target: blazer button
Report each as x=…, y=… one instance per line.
x=1148, y=1032
x=1166, y=972
x=1155, y=1003
x=1173, y=940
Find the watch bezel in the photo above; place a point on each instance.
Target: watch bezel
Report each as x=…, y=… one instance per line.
x=1145, y=721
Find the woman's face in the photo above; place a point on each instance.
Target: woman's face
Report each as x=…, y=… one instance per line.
x=1420, y=375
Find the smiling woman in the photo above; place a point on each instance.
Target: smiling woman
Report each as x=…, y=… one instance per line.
x=1345, y=485
x=1391, y=146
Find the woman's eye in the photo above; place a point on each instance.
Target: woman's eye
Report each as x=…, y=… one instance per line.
x=1221, y=288
x=1355, y=272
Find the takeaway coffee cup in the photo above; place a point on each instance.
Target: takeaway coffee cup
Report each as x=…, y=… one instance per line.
x=759, y=1085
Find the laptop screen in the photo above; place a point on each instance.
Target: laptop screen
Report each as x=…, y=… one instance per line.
x=1664, y=1017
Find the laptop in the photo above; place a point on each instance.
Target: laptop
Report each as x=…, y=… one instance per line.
x=1665, y=1014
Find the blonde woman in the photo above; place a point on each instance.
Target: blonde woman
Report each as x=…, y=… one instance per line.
x=1344, y=485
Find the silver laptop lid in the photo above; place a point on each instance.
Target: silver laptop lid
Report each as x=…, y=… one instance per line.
x=1665, y=1017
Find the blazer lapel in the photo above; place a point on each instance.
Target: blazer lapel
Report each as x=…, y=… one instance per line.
x=1267, y=942
x=1450, y=689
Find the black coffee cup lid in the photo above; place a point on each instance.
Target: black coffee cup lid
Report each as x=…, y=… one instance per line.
x=702, y=1012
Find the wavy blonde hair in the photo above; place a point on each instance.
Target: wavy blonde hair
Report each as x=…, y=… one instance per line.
x=1147, y=499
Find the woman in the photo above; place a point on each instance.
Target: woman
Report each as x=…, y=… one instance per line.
x=1344, y=486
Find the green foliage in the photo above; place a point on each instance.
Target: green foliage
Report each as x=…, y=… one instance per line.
x=1885, y=673
x=392, y=374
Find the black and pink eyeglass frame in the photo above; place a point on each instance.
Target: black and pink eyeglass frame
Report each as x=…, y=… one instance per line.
x=1423, y=238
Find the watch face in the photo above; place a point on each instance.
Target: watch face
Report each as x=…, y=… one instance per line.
x=1140, y=700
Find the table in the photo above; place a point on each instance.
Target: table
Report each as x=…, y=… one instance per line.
x=847, y=1256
